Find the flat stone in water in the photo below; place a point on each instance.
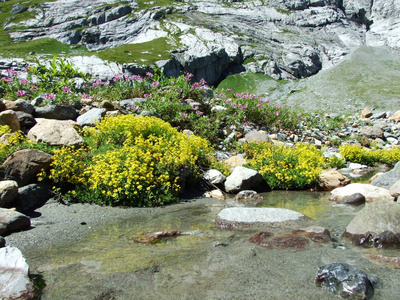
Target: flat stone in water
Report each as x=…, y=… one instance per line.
x=245, y=217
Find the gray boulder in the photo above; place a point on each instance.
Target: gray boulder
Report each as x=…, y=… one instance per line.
x=12, y=221
x=32, y=196
x=24, y=165
x=57, y=112
x=238, y=218
x=91, y=117
x=388, y=179
x=257, y=136
x=377, y=225
x=395, y=190
x=345, y=281
x=370, y=192
x=26, y=107
x=26, y=121
x=14, y=275
x=243, y=178
x=55, y=133
x=355, y=199
x=214, y=176
x=372, y=132
x=8, y=192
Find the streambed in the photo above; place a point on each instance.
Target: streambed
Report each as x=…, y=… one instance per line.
x=102, y=260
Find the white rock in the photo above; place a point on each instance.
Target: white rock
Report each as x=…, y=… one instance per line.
x=370, y=192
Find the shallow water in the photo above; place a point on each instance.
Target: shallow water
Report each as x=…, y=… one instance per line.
x=206, y=263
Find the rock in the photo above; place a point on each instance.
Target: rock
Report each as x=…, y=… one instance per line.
x=12, y=221
x=370, y=192
x=396, y=116
x=248, y=195
x=245, y=179
x=14, y=276
x=24, y=165
x=386, y=261
x=372, y=132
x=32, y=196
x=355, y=199
x=214, y=176
x=2, y=242
x=55, y=133
x=129, y=103
x=24, y=106
x=57, y=112
x=8, y=192
x=26, y=121
x=91, y=117
x=331, y=179
x=235, y=161
x=156, y=237
x=257, y=136
x=218, y=194
x=9, y=118
x=300, y=239
x=345, y=281
x=377, y=224
x=366, y=113
x=238, y=218
x=395, y=190
x=388, y=179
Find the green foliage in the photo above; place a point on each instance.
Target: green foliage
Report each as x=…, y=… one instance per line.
x=132, y=161
x=285, y=167
x=358, y=154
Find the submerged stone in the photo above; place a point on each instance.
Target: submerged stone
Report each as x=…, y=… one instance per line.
x=237, y=218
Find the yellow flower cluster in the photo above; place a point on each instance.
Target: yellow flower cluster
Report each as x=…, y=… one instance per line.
x=358, y=154
x=140, y=167
x=285, y=167
x=11, y=142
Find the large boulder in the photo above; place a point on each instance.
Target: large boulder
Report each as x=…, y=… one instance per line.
x=245, y=179
x=12, y=221
x=14, y=276
x=388, y=179
x=238, y=218
x=331, y=179
x=9, y=118
x=23, y=166
x=32, y=196
x=8, y=192
x=91, y=117
x=377, y=224
x=372, y=132
x=370, y=192
x=345, y=281
x=55, y=133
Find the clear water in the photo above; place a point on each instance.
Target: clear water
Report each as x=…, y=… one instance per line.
x=207, y=263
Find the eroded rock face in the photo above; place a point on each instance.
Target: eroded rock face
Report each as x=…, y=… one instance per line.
x=345, y=281
x=376, y=225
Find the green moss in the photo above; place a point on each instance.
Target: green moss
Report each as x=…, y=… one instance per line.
x=142, y=53
x=40, y=46
x=249, y=60
x=284, y=11
x=143, y=4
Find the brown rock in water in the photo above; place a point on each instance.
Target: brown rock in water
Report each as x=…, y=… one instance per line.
x=156, y=237
x=331, y=179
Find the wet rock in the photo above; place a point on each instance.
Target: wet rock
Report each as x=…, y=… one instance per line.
x=297, y=239
x=355, y=199
x=9, y=118
x=24, y=165
x=14, y=275
x=214, y=176
x=376, y=225
x=248, y=195
x=243, y=178
x=12, y=221
x=388, y=179
x=91, y=117
x=156, y=237
x=238, y=218
x=32, y=196
x=345, y=281
x=370, y=192
x=331, y=179
x=57, y=112
x=218, y=194
x=55, y=133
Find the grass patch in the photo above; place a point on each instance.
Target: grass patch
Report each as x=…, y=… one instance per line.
x=143, y=4
x=41, y=46
x=284, y=11
x=142, y=53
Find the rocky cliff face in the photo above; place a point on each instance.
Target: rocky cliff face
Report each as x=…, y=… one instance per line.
x=285, y=39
